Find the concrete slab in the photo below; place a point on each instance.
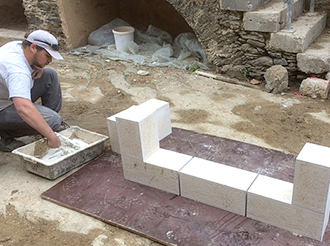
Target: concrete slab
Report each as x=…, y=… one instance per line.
x=216, y=184
x=307, y=26
x=160, y=171
x=241, y=5
x=271, y=17
x=270, y=200
x=316, y=58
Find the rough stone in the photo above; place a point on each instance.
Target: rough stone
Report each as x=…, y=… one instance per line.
x=256, y=43
x=276, y=79
x=315, y=87
x=327, y=76
x=282, y=62
x=263, y=61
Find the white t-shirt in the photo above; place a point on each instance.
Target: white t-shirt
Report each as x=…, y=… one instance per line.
x=15, y=74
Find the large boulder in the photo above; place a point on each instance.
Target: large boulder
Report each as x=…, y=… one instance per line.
x=276, y=78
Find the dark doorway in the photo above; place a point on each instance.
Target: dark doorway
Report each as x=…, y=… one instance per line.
x=12, y=15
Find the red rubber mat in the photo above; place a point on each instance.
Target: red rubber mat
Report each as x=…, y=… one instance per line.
x=100, y=190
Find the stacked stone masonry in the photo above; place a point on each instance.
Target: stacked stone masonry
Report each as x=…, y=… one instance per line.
x=301, y=207
x=233, y=51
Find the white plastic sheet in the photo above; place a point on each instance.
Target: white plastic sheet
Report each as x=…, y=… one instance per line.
x=154, y=47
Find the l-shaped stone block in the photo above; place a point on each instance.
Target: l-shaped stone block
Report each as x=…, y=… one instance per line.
x=312, y=178
x=164, y=127
x=302, y=207
x=269, y=200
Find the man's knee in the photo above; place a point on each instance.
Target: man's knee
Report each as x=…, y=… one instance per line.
x=55, y=122
x=50, y=74
x=52, y=118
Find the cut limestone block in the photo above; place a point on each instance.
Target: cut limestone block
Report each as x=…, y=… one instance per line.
x=269, y=200
x=138, y=133
x=160, y=171
x=216, y=184
x=113, y=132
x=163, y=116
x=312, y=178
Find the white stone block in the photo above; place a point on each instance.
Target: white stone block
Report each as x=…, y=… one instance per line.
x=312, y=178
x=138, y=133
x=163, y=116
x=269, y=200
x=160, y=171
x=113, y=132
x=216, y=184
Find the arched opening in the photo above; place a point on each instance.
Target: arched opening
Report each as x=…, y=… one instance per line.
x=79, y=20
x=12, y=15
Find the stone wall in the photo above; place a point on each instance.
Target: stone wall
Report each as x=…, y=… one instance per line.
x=44, y=15
x=233, y=51
x=236, y=53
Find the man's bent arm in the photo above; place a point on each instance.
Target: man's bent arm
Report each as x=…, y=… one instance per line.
x=30, y=114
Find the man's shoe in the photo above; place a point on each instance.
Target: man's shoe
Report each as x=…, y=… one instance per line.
x=63, y=126
x=9, y=144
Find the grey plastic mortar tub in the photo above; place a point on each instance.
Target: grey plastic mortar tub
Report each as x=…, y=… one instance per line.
x=52, y=170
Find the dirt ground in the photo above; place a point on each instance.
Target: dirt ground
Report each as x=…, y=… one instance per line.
x=95, y=88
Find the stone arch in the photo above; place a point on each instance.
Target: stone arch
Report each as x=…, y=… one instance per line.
x=78, y=20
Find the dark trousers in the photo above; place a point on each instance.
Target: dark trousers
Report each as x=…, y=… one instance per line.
x=48, y=89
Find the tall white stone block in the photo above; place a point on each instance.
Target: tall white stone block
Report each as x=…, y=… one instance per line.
x=138, y=133
x=160, y=170
x=113, y=132
x=312, y=178
x=163, y=116
x=270, y=200
x=216, y=184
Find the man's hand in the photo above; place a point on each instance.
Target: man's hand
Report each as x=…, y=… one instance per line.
x=37, y=72
x=54, y=142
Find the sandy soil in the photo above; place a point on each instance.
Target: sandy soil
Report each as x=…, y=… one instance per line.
x=95, y=88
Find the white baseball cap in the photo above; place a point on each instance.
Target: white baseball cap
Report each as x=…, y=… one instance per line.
x=47, y=41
